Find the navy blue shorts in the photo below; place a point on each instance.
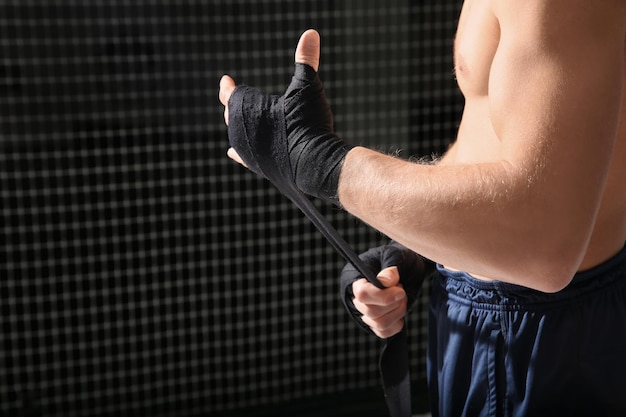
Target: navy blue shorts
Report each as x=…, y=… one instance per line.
x=497, y=349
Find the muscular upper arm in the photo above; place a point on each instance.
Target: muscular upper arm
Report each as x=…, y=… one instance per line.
x=555, y=94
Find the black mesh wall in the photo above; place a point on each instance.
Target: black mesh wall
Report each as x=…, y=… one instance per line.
x=141, y=271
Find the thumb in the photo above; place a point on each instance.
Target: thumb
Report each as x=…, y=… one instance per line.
x=389, y=277
x=308, y=49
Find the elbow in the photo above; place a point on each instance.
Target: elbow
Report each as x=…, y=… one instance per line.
x=549, y=276
x=554, y=269
x=555, y=248
x=555, y=280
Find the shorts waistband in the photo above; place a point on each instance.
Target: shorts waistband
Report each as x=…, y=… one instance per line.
x=464, y=287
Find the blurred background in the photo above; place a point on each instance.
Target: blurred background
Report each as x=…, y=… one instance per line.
x=143, y=273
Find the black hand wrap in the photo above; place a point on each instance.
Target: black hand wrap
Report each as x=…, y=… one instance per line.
x=413, y=270
x=289, y=139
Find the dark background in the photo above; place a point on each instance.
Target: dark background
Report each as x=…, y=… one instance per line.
x=143, y=273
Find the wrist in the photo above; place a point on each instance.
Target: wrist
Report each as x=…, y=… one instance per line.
x=351, y=170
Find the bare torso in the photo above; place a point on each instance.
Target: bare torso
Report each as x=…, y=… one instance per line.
x=475, y=45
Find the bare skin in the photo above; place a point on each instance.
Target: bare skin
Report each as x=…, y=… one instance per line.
x=533, y=189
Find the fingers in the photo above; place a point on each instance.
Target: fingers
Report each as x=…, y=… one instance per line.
x=385, y=319
x=308, y=49
x=387, y=325
x=227, y=86
x=368, y=295
x=307, y=52
x=232, y=154
x=383, y=310
x=389, y=276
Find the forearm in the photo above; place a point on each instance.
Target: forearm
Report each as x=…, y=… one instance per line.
x=482, y=218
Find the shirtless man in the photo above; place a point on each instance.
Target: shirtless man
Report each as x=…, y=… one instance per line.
x=525, y=215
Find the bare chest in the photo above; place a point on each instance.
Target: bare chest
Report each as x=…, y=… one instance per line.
x=476, y=41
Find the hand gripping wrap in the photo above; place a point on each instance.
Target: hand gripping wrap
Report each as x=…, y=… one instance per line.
x=413, y=270
x=394, y=356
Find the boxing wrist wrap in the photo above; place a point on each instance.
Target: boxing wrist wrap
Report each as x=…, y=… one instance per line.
x=289, y=139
